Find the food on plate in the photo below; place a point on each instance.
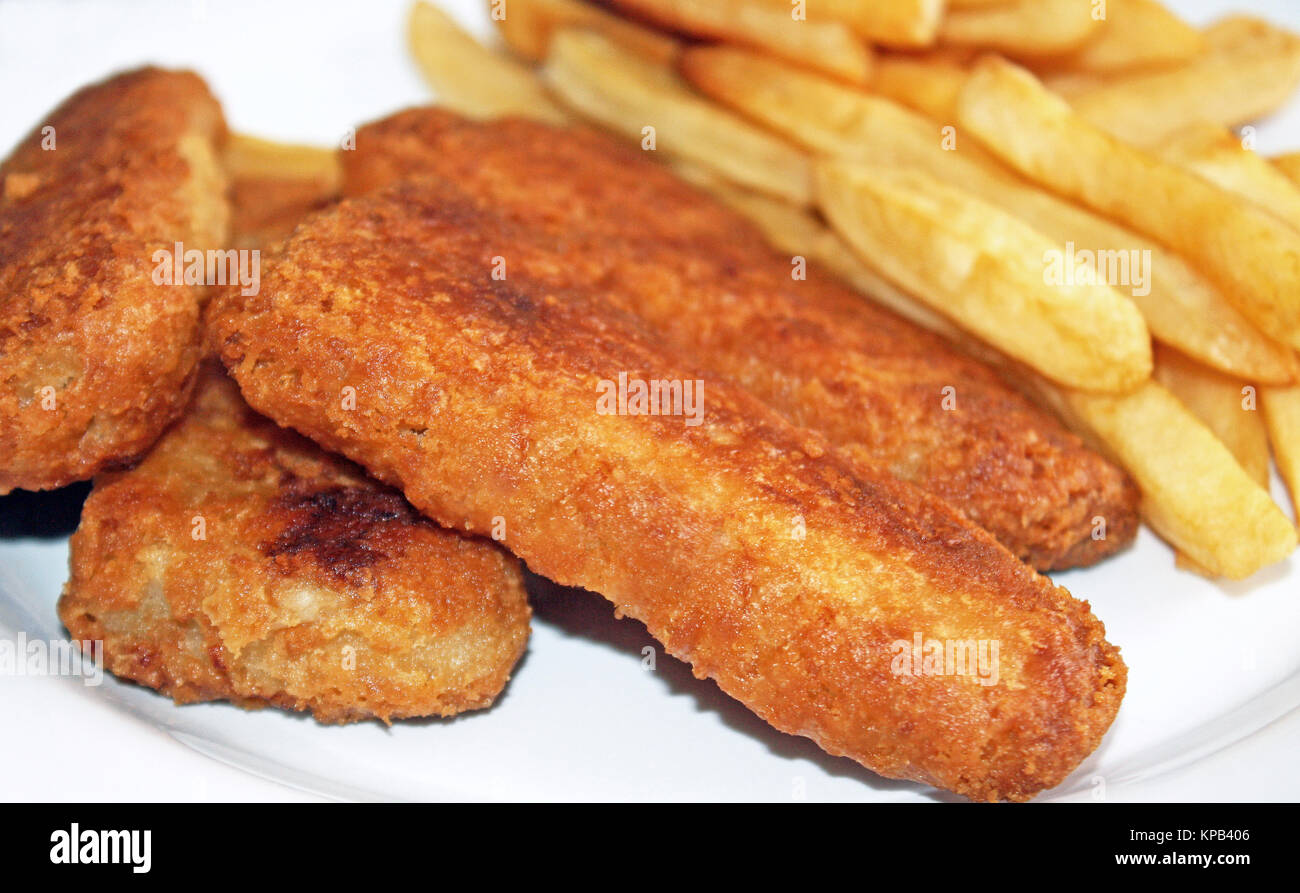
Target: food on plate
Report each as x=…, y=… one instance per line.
x=468, y=76
x=1248, y=69
x=1181, y=307
x=1282, y=416
x=98, y=321
x=1228, y=407
x=983, y=267
x=649, y=103
x=274, y=185
x=1135, y=34
x=527, y=25
x=241, y=562
x=1194, y=492
x=900, y=23
x=1023, y=28
x=751, y=548
x=878, y=388
x=1252, y=256
x=817, y=41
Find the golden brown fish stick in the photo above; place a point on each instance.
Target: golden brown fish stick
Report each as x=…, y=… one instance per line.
x=877, y=386
x=750, y=548
x=97, y=353
x=240, y=561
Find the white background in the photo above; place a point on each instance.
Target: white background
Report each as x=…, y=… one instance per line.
x=1214, y=671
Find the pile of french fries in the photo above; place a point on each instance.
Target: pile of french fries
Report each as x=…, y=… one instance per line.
x=936, y=155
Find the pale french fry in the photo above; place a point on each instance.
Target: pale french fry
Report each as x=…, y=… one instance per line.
x=1282, y=416
x=251, y=158
x=1194, y=492
x=527, y=25
x=897, y=23
x=470, y=78
x=1072, y=84
x=638, y=99
x=929, y=83
x=795, y=231
x=982, y=268
x=1289, y=165
x=1024, y=29
x=1251, y=255
x=1180, y=305
x=1219, y=156
x=824, y=45
x=1248, y=69
x=1135, y=34
x=1228, y=407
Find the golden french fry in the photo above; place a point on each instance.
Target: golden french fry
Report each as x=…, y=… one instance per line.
x=983, y=268
x=1227, y=406
x=1180, y=305
x=825, y=45
x=527, y=25
x=1251, y=255
x=1289, y=165
x=1194, y=492
x=1135, y=34
x=797, y=232
x=638, y=99
x=929, y=83
x=1248, y=69
x=1218, y=155
x=251, y=157
x=470, y=78
x=898, y=23
x=1024, y=29
x=1282, y=416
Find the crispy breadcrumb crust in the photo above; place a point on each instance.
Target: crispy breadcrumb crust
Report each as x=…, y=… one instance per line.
x=873, y=383
x=239, y=561
x=95, y=358
x=750, y=548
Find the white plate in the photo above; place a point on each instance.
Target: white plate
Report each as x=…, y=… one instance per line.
x=1214, y=685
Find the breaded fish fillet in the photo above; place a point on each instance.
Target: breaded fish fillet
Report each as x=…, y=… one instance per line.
x=96, y=358
x=239, y=561
x=749, y=547
x=875, y=385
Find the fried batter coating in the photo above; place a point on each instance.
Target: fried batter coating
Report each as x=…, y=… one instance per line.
x=874, y=384
x=96, y=359
x=749, y=547
x=239, y=561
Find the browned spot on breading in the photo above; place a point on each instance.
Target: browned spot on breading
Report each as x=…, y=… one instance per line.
x=341, y=529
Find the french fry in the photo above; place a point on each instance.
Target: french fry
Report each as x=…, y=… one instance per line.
x=527, y=25
x=1282, y=416
x=1194, y=492
x=982, y=267
x=795, y=231
x=253, y=158
x=1227, y=406
x=1023, y=29
x=1248, y=69
x=1251, y=255
x=1180, y=305
x=470, y=78
x=828, y=45
x=897, y=23
x=1135, y=34
x=1289, y=165
x=628, y=94
x=929, y=83
x=1218, y=155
